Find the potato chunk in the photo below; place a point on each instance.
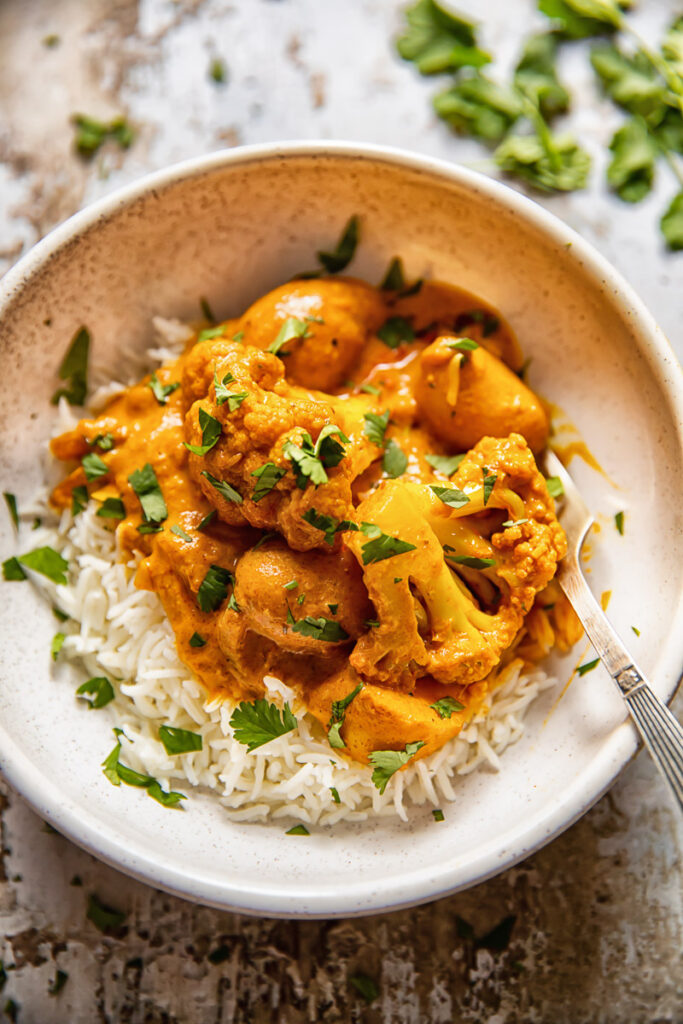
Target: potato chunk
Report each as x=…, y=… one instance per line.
x=278, y=589
x=339, y=316
x=467, y=396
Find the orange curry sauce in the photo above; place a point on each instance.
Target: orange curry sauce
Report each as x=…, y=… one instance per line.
x=337, y=369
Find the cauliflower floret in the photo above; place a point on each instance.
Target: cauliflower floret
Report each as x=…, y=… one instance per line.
x=278, y=456
x=452, y=604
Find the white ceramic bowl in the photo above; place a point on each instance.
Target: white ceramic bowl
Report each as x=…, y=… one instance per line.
x=230, y=226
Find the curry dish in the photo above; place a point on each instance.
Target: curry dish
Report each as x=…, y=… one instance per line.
x=339, y=489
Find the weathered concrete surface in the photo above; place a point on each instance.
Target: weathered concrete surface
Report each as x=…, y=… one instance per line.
x=597, y=915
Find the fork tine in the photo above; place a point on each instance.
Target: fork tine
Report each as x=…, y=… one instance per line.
x=576, y=518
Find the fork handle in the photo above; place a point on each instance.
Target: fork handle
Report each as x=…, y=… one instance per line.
x=660, y=731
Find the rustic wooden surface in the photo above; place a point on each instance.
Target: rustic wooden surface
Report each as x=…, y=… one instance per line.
x=587, y=930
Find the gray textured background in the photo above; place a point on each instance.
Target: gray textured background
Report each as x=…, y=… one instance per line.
x=598, y=916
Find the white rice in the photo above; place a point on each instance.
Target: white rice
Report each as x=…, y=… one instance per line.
x=116, y=630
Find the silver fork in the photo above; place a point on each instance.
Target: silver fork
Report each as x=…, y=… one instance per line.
x=661, y=733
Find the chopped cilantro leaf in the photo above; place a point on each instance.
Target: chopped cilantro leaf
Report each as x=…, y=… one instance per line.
x=207, y=520
x=306, y=465
x=94, y=467
x=394, y=280
x=536, y=76
x=333, y=608
x=258, y=722
x=207, y=312
x=446, y=464
x=365, y=987
x=635, y=630
x=74, y=369
x=209, y=333
x=320, y=629
x=327, y=524
x=60, y=615
x=339, y=259
x=11, y=502
x=297, y=830
x=45, y=560
x=445, y=706
x=213, y=589
x=437, y=40
x=99, y=688
x=146, y=528
x=376, y=426
x=223, y=395
x=197, y=640
x=79, y=499
x=632, y=168
x=163, y=797
x=179, y=532
x=91, y=133
x=11, y=570
x=672, y=223
x=292, y=585
x=146, y=486
x=335, y=794
x=105, y=918
x=489, y=483
x=554, y=485
x=451, y=496
x=619, y=522
x=463, y=344
x=105, y=442
x=437, y=814
x=329, y=451
x=339, y=708
x=162, y=391
x=268, y=535
x=217, y=71
x=395, y=461
x=112, y=508
x=471, y=563
x=179, y=741
x=369, y=389
x=387, y=762
x=232, y=603
x=223, y=488
x=56, y=645
x=396, y=331
x=487, y=321
x=290, y=330
x=211, y=431
x=588, y=666
x=381, y=545
x=267, y=475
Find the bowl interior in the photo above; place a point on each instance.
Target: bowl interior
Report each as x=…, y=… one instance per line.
x=229, y=228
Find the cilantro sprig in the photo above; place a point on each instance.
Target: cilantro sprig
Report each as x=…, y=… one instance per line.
x=517, y=116
x=258, y=722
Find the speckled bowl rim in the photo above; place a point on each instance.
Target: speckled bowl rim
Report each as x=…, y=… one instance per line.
x=399, y=890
